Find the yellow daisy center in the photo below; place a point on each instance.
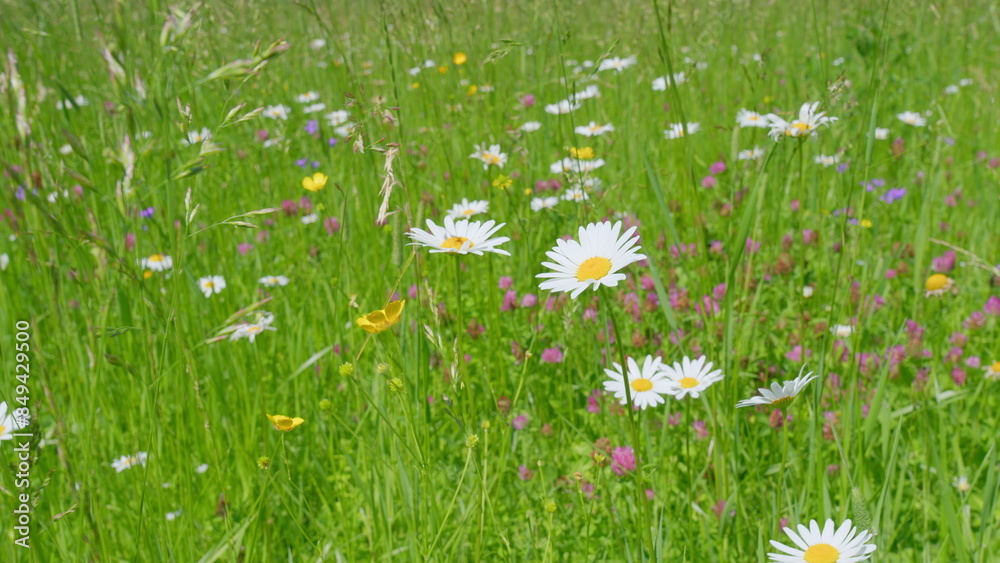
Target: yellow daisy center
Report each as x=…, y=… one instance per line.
x=754, y=117
x=253, y=329
x=782, y=401
x=456, y=243
x=821, y=553
x=491, y=158
x=156, y=258
x=689, y=382
x=803, y=127
x=936, y=282
x=642, y=384
x=595, y=127
x=468, y=212
x=2, y=429
x=209, y=284
x=995, y=367
x=593, y=268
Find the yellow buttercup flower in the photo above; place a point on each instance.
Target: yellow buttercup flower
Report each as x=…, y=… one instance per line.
x=377, y=321
x=459, y=58
x=502, y=182
x=315, y=182
x=284, y=423
x=472, y=90
x=585, y=153
x=442, y=69
x=866, y=223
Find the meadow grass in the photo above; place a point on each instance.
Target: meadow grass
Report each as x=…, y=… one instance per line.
x=472, y=429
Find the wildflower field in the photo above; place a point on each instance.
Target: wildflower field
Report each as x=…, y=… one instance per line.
x=519, y=281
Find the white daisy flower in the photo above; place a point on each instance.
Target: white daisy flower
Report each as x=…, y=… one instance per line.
x=676, y=130
x=272, y=281
x=576, y=165
x=466, y=208
x=9, y=423
x=317, y=44
x=690, y=377
x=251, y=330
x=965, y=82
x=337, y=118
x=314, y=108
x=588, y=184
x=829, y=545
x=529, y=126
x=826, y=160
x=617, y=64
x=842, y=331
x=648, y=384
x=277, y=112
x=779, y=395
x=462, y=237
x=660, y=84
x=197, y=137
x=562, y=107
x=881, y=133
x=575, y=194
x=747, y=118
x=157, y=263
x=993, y=371
x=130, y=461
x=4, y=261
x=592, y=91
x=755, y=153
x=938, y=285
x=307, y=97
x=540, y=203
x=309, y=219
x=489, y=156
x=593, y=129
x=414, y=71
x=808, y=121
x=593, y=261
x=912, y=118
x=961, y=483
x=951, y=89
x=344, y=130
x=201, y=468
x=211, y=285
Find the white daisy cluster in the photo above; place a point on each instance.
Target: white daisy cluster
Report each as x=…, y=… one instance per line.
x=648, y=385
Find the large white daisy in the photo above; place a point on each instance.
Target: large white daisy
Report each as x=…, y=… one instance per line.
x=779, y=395
x=157, y=263
x=562, y=107
x=540, y=203
x=211, y=285
x=676, y=130
x=690, y=377
x=660, y=84
x=617, y=64
x=592, y=261
x=489, y=155
x=829, y=545
x=648, y=385
x=10, y=423
x=594, y=129
x=466, y=208
x=747, y=118
x=462, y=237
x=808, y=121
x=912, y=118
